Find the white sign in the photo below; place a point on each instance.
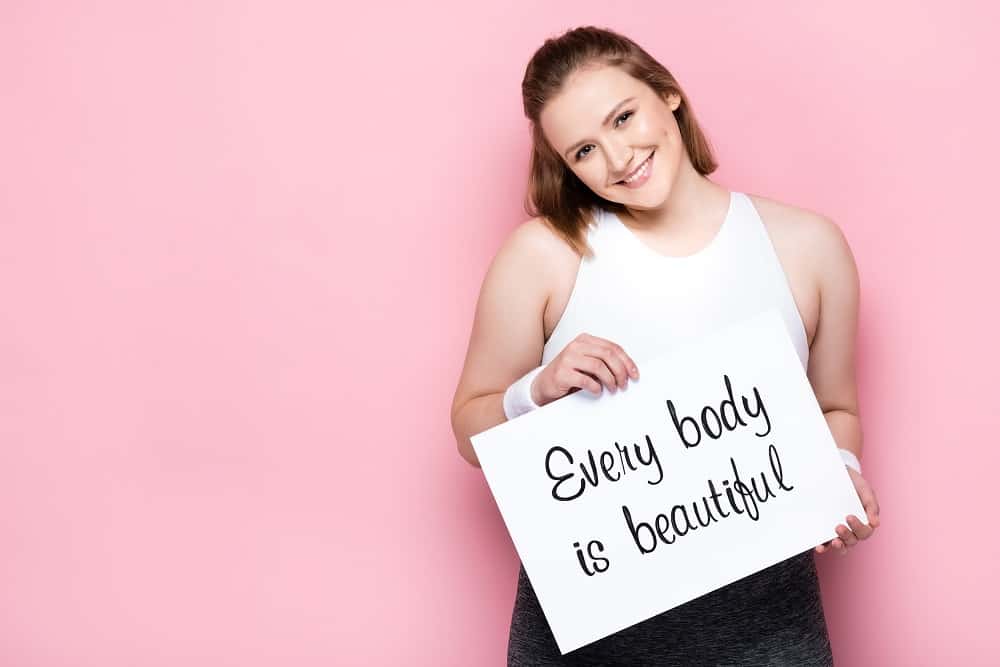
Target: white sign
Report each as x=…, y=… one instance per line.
x=715, y=464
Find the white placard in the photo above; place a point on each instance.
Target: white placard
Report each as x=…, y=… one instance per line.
x=715, y=464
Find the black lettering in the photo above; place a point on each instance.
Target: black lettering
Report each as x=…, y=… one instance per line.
x=653, y=458
x=679, y=521
x=583, y=563
x=679, y=425
x=707, y=410
x=715, y=499
x=561, y=478
x=634, y=530
x=687, y=522
x=772, y=453
x=708, y=511
x=598, y=560
x=749, y=504
x=606, y=468
x=730, y=402
x=760, y=410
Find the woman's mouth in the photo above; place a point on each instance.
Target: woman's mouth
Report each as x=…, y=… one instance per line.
x=640, y=175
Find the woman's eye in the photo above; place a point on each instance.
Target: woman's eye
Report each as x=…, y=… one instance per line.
x=580, y=154
x=624, y=115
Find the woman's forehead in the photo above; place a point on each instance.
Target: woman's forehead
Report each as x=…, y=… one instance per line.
x=592, y=85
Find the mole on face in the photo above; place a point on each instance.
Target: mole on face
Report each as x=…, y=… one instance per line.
x=727, y=418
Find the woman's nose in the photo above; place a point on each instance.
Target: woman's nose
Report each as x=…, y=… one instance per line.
x=620, y=156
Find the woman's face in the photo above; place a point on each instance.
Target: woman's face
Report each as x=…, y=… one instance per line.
x=606, y=125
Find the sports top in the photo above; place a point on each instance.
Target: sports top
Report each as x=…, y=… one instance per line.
x=648, y=302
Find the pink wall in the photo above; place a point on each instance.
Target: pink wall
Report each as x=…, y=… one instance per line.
x=240, y=245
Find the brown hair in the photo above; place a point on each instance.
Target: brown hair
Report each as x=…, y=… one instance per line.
x=554, y=191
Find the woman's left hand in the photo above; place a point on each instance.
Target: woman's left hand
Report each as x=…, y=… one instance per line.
x=855, y=531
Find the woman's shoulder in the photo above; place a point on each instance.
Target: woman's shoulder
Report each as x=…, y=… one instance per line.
x=533, y=261
x=808, y=231
x=808, y=238
x=537, y=242
x=544, y=233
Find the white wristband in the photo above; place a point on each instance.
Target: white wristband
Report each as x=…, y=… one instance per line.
x=517, y=399
x=850, y=459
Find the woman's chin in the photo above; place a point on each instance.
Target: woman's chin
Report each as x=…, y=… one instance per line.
x=649, y=197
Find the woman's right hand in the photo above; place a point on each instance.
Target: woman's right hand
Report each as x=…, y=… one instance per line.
x=587, y=362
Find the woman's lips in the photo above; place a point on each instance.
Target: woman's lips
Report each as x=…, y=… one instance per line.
x=647, y=165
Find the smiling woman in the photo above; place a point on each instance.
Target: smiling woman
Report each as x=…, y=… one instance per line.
x=632, y=250
x=628, y=134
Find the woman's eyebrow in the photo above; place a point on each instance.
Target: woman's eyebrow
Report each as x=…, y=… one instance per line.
x=607, y=119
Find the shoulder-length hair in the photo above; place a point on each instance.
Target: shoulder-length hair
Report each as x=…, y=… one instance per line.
x=554, y=191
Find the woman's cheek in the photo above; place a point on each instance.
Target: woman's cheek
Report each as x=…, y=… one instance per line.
x=647, y=129
x=591, y=178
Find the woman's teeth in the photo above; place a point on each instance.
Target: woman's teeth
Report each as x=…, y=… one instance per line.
x=639, y=177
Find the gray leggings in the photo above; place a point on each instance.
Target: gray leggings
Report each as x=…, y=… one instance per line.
x=772, y=617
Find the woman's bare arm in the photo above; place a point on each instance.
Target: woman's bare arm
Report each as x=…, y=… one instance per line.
x=507, y=335
x=831, y=368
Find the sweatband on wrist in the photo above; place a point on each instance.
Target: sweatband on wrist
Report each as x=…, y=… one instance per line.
x=850, y=459
x=517, y=399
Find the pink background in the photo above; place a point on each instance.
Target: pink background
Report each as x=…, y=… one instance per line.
x=240, y=246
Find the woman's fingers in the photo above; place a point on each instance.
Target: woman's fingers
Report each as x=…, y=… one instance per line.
x=598, y=369
x=856, y=530
x=847, y=536
x=871, y=508
x=868, y=499
x=862, y=530
x=837, y=545
x=826, y=546
x=583, y=381
x=614, y=358
x=628, y=367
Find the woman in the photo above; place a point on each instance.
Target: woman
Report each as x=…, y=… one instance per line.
x=628, y=228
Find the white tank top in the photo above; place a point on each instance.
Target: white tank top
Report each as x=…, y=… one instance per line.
x=648, y=302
